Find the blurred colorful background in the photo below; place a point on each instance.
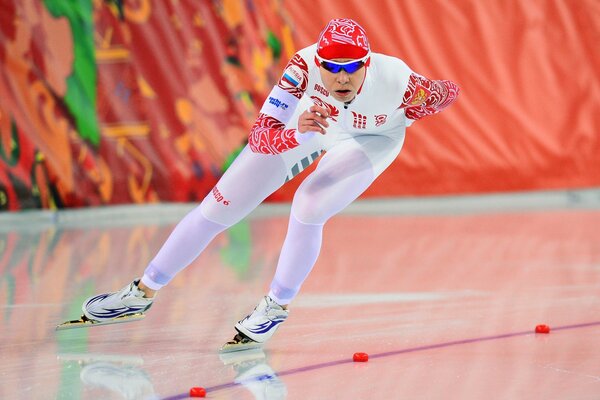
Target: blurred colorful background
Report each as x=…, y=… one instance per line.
x=141, y=101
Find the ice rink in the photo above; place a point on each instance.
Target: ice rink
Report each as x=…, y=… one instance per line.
x=442, y=293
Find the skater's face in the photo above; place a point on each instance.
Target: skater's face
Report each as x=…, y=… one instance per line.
x=342, y=77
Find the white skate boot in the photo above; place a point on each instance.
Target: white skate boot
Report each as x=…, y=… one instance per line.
x=257, y=327
x=128, y=304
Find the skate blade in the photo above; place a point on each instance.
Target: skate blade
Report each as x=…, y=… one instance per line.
x=84, y=322
x=90, y=358
x=236, y=357
x=231, y=347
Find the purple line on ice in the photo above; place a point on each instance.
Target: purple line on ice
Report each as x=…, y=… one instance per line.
x=349, y=360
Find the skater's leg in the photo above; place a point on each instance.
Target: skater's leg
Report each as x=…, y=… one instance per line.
x=189, y=238
x=298, y=254
x=343, y=174
x=248, y=181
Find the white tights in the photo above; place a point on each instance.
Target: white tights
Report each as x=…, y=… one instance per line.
x=345, y=171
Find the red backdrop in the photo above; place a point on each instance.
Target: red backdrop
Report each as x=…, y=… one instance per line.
x=144, y=101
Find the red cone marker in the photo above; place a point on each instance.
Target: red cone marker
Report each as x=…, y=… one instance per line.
x=542, y=329
x=360, y=357
x=197, y=392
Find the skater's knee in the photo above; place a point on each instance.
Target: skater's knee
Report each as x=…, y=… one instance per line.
x=219, y=213
x=309, y=212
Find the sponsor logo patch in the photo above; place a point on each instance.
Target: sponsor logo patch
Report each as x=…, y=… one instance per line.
x=321, y=89
x=278, y=103
x=219, y=197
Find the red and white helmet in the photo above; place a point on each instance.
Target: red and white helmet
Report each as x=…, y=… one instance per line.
x=343, y=38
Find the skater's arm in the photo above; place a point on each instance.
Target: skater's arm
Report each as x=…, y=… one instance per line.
x=425, y=97
x=268, y=134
